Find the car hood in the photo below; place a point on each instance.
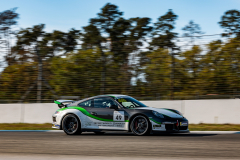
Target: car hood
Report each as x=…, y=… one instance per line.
x=163, y=111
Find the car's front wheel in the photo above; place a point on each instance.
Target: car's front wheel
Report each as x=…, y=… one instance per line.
x=71, y=125
x=140, y=125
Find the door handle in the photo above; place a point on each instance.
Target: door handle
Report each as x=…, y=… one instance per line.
x=93, y=113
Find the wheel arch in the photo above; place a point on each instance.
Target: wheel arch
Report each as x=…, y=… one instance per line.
x=137, y=114
x=68, y=114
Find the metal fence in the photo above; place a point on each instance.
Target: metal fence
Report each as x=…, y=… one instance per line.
x=190, y=73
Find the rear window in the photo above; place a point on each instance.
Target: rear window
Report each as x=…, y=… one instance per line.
x=87, y=103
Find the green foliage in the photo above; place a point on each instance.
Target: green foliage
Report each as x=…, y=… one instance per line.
x=163, y=36
x=190, y=68
x=192, y=30
x=48, y=43
x=221, y=67
x=92, y=37
x=81, y=68
x=157, y=72
x=8, y=19
x=230, y=21
x=15, y=79
x=109, y=57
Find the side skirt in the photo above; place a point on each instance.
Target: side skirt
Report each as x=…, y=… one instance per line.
x=102, y=130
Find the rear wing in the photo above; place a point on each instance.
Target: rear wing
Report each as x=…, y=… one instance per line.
x=63, y=103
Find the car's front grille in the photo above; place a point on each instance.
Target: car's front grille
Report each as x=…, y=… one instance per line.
x=54, y=119
x=183, y=127
x=169, y=127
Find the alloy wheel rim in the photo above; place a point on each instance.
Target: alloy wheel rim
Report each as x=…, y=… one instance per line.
x=140, y=125
x=70, y=124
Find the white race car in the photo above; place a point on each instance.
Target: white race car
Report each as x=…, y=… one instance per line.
x=115, y=113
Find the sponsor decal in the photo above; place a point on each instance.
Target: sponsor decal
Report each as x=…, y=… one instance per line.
x=103, y=124
x=183, y=123
x=119, y=124
x=159, y=127
x=88, y=124
x=154, y=126
x=109, y=124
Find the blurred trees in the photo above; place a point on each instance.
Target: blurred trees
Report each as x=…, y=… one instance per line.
x=230, y=21
x=113, y=54
x=193, y=31
x=190, y=68
x=157, y=72
x=111, y=32
x=48, y=44
x=163, y=34
x=81, y=68
x=8, y=19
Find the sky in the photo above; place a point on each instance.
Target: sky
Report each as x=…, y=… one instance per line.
x=66, y=14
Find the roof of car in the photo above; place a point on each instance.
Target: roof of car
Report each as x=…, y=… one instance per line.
x=111, y=95
x=107, y=95
x=115, y=95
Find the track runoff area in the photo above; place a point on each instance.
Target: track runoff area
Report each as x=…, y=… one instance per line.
x=119, y=145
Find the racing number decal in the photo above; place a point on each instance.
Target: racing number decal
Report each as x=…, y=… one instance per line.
x=118, y=116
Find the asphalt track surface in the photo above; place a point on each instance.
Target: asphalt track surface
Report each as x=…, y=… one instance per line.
x=115, y=146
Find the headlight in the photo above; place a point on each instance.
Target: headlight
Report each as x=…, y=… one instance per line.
x=56, y=112
x=158, y=114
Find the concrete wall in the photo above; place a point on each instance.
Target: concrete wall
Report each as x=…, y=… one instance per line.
x=204, y=111
x=196, y=111
x=27, y=113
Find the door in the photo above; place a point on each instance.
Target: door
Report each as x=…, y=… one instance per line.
x=105, y=118
x=85, y=119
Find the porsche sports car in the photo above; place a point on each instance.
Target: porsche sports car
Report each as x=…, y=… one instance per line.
x=115, y=113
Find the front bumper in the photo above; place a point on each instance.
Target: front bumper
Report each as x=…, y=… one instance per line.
x=56, y=121
x=177, y=125
x=55, y=125
x=173, y=131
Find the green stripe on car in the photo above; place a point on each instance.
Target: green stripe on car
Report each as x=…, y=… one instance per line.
x=155, y=121
x=88, y=114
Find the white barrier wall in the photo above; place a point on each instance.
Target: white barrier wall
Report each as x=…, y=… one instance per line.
x=196, y=111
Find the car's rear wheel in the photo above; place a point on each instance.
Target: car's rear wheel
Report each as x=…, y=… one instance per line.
x=140, y=125
x=99, y=133
x=71, y=125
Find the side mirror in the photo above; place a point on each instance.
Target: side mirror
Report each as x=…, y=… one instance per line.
x=113, y=106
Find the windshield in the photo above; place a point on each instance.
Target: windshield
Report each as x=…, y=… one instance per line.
x=129, y=102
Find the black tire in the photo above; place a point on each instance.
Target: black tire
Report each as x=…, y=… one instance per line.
x=71, y=125
x=99, y=133
x=140, y=126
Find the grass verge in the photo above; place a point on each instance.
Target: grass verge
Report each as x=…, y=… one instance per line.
x=214, y=127
x=25, y=126
x=192, y=127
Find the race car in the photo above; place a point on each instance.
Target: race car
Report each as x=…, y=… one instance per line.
x=115, y=113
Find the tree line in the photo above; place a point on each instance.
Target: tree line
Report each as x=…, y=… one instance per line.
x=113, y=54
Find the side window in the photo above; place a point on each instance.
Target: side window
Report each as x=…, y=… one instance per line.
x=87, y=103
x=103, y=102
